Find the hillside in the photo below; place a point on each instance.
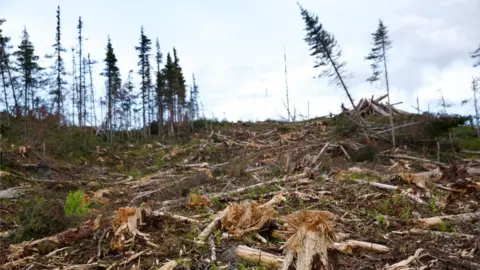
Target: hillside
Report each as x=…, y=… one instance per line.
x=230, y=195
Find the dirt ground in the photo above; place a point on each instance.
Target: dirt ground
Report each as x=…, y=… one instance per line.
x=305, y=162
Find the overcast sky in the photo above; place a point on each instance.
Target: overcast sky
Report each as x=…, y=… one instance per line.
x=235, y=48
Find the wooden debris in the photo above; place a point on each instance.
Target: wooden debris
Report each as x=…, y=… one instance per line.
x=405, y=263
x=432, y=221
x=442, y=234
x=259, y=257
x=310, y=233
x=222, y=217
x=57, y=241
x=347, y=246
x=390, y=187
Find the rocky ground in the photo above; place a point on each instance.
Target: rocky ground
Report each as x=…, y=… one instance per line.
x=256, y=196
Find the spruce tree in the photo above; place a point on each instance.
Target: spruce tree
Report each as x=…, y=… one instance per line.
x=58, y=69
x=144, y=64
x=28, y=68
x=159, y=88
x=327, y=55
x=378, y=56
x=112, y=74
x=180, y=87
x=170, y=76
x=7, y=79
x=81, y=80
x=194, y=99
x=126, y=98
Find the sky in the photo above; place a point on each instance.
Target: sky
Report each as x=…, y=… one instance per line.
x=236, y=48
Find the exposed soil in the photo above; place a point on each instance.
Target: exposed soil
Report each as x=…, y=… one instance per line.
x=215, y=164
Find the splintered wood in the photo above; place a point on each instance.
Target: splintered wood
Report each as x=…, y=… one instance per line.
x=310, y=234
x=128, y=220
x=242, y=218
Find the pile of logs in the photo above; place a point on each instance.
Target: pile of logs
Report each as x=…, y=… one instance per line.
x=367, y=107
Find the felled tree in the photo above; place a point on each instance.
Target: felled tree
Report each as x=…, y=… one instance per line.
x=324, y=48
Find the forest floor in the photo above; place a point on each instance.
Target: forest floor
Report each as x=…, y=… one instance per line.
x=246, y=180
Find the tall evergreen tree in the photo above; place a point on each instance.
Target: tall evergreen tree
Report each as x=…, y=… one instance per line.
x=126, y=98
x=170, y=76
x=378, y=56
x=180, y=87
x=146, y=80
x=5, y=71
x=159, y=88
x=29, y=69
x=194, y=99
x=327, y=54
x=112, y=73
x=74, y=86
x=58, y=84
x=81, y=79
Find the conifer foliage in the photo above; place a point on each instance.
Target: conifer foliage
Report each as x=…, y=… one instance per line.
x=160, y=97
x=378, y=57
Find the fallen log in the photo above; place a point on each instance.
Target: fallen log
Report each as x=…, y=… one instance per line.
x=442, y=234
x=56, y=241
x=404, y=264
x=432, y=221
x=390, y=187
x=347, y=246
x=259, y=257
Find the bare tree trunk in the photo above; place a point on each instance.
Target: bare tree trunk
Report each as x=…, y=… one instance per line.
x=289, y=115
x=475, y=103
x=388, y=94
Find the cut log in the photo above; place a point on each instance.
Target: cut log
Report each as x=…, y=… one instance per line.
x=259, y=257
x=390, y=187
x=349, y=244
x=442, y=234
x=59, y=240
x=404, y=264
x=432, y=221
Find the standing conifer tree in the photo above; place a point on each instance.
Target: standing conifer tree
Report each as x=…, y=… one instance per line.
x=159, y=87
x=144, y=64
x=58, y=68
x=180, y=87
x=7, y=78
x=170, y=76
x=112, y=74
x=327, y=54
x=378, y=57
x=81, y=85
x=194, y=99
x=29, y=69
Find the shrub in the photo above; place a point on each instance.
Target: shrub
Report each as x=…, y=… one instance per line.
x=76, y=205
x=40, y=218
x=440, y=125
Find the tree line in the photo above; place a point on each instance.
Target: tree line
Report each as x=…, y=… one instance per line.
x=162, y=104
